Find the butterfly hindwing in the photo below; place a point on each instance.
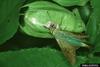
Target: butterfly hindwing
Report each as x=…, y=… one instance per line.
x=68, y=50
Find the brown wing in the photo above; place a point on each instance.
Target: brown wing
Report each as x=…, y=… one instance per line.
x=68, y=50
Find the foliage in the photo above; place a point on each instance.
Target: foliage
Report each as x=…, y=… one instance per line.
x=9, y=15
x=93, y=26
x=20, y=50
x=71, y=2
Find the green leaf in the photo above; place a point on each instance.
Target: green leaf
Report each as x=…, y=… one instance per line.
x=93, y=27
x=94, y=60
x=9, y=16
x=85, y=12
x=71, y=2
x=36, y=57
x=44, y=12
x=80, y=60
x=97, y=43
x=33, y=57
x=38, y=5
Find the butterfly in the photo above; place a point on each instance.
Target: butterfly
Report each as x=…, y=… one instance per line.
x=66, y=41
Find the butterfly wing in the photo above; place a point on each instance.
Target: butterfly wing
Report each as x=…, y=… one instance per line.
x=66, y=41
x=68, y=51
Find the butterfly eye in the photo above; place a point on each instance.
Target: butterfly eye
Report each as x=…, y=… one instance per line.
x=50, y=25
x=53, y=26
